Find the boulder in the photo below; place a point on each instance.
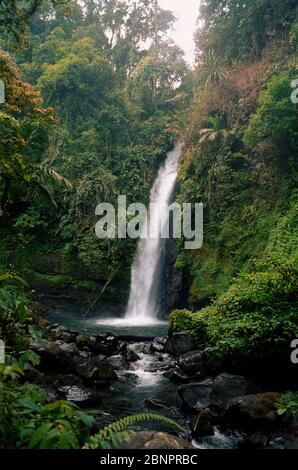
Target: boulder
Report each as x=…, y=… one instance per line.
x=258, y=440
x=283, y=441
x=62, y=333
x=192, y=362
x=51, y=356
x=156, y=440
x=118, y=362
x=31, y=373
x=68, y=351
x=69, y=380
x=175, y=375
x=180, y=343
x=254, y=409
x=131, y=355
x=227, y=386
x=79, y=395
x=196, y=396
x=167, y=397
x=97, y=369
x=108, y=345
x=158, y=345
x=201, y=425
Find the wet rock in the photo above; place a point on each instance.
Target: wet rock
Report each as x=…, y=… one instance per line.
x=108, y=346
x=154, y=403
x=30, y=372
x=175, y=375
x=82, y=340
x=60, y=332
x=146, y=349
x=163, y=363
x=131, y=355
x=218, y=442
x=67, y=380
x=193, y=362
x=169, y=398
x=68, y=351
x=227, y=386
x=196, y=396
x=258, y=440
x=97, y=369
x=50, y=354
x=79, y=395
x=156, y=440
x=283, y=441
x=85, y=369
x=158, y=344
x=180, y=343
x=254, y=409
x=131, y=378
x=201, y=425
x=118, y=362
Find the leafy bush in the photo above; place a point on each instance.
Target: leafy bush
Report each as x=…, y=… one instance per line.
x=27, y=420
x=257, y=317
x=13, y=314
x=288, y=403
x=181, y=320
x=276, y=118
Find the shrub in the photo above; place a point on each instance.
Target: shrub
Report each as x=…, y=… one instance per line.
x=257, y=316
x=181, y=320
x=288, y=403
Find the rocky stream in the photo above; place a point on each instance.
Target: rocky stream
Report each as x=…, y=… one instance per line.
x=123, y=374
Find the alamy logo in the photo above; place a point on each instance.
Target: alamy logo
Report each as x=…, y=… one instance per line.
x=294, y=355
x=294, y=95
x=2, y=92
x=162, y=222
x=2, y=352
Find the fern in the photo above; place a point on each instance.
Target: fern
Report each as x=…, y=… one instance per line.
x=119, y=431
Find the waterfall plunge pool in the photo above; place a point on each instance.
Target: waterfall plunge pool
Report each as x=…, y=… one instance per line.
x=103, y=320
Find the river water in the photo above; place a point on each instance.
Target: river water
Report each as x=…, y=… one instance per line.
x=142, y=388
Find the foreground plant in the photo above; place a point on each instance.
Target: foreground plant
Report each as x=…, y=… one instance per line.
x=116, y=433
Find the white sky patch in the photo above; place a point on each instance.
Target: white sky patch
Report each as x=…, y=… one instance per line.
x=187, y=12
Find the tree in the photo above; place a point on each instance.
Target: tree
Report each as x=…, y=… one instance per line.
x=23, y=139
x=15, y=15
x=239, y=29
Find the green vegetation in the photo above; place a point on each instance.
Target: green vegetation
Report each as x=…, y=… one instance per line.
x=28, y=417
x=288, y=403
x=120, y=431
x=240, y=160
x=96, y=93
x=90, y=112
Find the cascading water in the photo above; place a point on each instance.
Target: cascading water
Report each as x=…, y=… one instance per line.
x=145, y=274
x=143, y=308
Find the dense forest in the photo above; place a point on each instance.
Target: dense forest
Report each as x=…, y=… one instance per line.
x=96, y=94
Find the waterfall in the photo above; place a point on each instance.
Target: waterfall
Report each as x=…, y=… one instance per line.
x=146, y=270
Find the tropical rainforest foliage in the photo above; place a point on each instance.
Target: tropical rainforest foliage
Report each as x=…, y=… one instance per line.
x=95, y=95
x=241, y=162
x=95, y=121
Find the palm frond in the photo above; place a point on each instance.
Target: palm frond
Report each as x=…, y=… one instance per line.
x=46, y=170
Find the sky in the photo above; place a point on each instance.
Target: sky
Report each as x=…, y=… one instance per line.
x=187, y=12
